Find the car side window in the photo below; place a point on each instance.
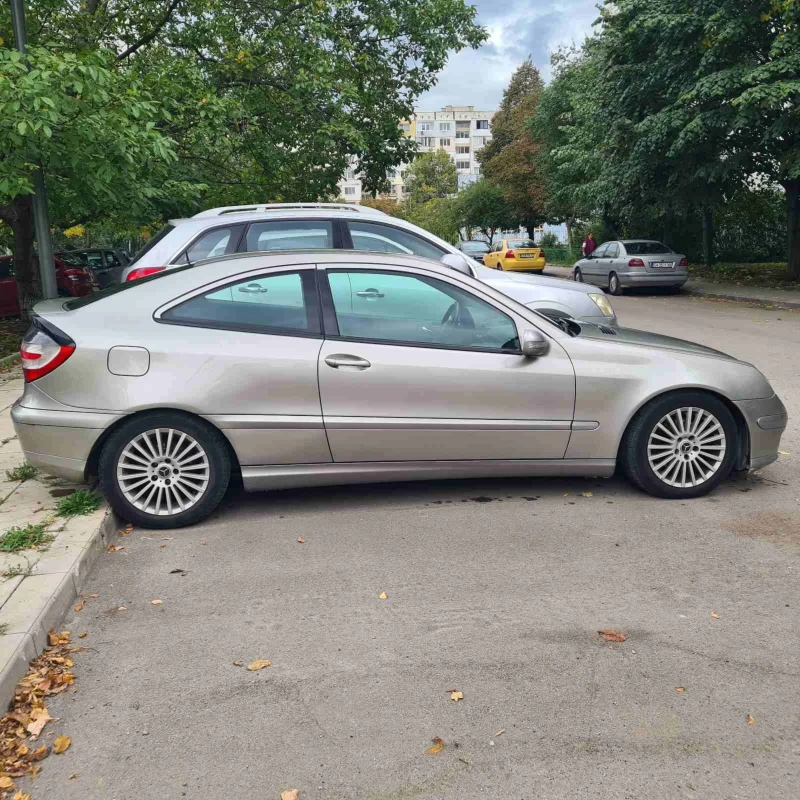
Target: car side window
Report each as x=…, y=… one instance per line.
x=378, y=238
x=600, y=252
x=283, y=303
x=612, y=250
x=210, y=244
x=290, y=235
x=111, y=259
x=94, y=259
x=402, y=308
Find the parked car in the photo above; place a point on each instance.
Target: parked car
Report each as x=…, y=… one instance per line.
x=106, y=265
x=330, y=367
x=633, y=262
x=517, y=255
x=474, y=248
x=70, y=281
x=310, y=226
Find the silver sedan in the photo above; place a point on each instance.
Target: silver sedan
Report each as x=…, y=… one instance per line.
x=633, y=263
x=325, y=367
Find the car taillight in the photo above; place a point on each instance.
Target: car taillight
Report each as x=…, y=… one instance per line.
x=43, y=349
x=684, y=262
x=636, y=262
x=143, y=272
x=510, y=254
x=541, y=254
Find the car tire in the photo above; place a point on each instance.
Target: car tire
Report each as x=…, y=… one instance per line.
x=665, y=462
x=192, y=472
x=499, y=266
x=577, y=275
x=614, y=286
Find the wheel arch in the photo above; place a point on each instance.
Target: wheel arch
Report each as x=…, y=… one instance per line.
x=92, y=463
x=742, y=431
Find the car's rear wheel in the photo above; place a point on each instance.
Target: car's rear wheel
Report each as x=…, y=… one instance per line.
x=165, y=470
x=614, y=286
x=578, y=275
x=681, y=445
x=500, y=265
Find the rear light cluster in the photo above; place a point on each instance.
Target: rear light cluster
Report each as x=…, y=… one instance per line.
x=541, y=254
x=684, y=262
x=43, y=349
x=510, y=254
x=143, y=272
x=636, y=262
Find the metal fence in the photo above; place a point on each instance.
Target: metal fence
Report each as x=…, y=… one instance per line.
x=561, y=254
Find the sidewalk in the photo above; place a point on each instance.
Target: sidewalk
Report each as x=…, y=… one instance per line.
x=37, y=586
x=725, y=291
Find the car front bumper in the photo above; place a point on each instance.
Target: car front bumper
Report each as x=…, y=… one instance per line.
x=766, y=421
x=671, y=278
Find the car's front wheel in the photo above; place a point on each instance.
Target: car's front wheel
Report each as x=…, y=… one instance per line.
x=578, y=275
x=614, y=285
x=681, y=445
x=165, y=469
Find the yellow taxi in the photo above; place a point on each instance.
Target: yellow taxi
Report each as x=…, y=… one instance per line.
x=519, y=255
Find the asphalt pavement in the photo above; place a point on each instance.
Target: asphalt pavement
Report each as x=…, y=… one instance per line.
x=496, y=589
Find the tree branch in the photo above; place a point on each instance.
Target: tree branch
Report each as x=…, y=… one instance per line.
x=148, y=37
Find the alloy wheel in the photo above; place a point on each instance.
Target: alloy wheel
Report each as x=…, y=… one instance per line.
x=163, y=472
x=686, y=447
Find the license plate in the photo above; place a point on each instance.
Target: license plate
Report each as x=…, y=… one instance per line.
x=527, y=255
x=662, y=265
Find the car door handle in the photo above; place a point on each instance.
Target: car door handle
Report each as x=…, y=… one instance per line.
x=253, y=288
x=339, y=360
x=370, y=293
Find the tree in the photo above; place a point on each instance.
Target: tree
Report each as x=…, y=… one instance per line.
x=226, y=100
x=437, y=215
x=508, y=158
x=431, y=175
x=482, y=205
x=385, y=204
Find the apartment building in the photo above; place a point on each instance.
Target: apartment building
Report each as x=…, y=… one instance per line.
x=460, y=131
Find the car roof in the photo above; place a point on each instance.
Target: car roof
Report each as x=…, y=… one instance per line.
x=226, y=214
x=638, y=241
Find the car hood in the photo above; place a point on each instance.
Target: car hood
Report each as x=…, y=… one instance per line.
x=647, y=339
x=497, y=279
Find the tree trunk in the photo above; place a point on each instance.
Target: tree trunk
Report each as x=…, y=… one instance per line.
x=708, y=236
x=793, y=211
x=568, y=222
x=19, y=217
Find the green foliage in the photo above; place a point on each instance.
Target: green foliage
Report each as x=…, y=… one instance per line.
x=385, y=204
x=431, y=175
x=549, y=240
x=770, y=275
x=25, y=471
x=77, y=504
x=24, y=538
x=482, y=205
x=438, y=215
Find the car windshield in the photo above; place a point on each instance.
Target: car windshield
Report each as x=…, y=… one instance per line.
x=521, y=244
x=646, y=248
x=152, y=242
x=475, y=247
x=72, y=259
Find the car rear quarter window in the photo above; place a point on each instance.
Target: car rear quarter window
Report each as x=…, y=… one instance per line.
x=378, y=238
x=290, y=235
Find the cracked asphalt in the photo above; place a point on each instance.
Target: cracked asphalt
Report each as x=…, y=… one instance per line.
x=494, y=588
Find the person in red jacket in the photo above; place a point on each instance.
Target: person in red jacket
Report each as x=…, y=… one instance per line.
x=589, y=244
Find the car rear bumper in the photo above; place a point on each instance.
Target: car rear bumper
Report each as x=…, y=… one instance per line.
x=766, y=421
x=525, y=265
x=59, y=442
x=672, y=278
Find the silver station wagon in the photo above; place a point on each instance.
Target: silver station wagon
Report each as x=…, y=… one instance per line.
x=326, y=367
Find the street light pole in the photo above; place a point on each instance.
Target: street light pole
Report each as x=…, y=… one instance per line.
x=47, y=269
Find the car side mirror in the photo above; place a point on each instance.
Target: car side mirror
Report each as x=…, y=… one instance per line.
x=534, y=343
x=458, y=263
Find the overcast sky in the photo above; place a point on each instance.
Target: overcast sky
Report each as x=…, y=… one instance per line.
x=517, y=28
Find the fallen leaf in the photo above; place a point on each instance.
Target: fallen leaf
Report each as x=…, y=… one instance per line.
x=456, y=696
x=238, y=662
x=22, y=796
x=714, y=615
x=301, y=540
x=6, y=782
x=61, y=744
x=54, y=638
x=750, y=720
x=178, y=571
x=74, y=776
x=79, y=605
x=383, y=596
x=436, y=747
x=613, y=636
x=784, y=452
x=83, y=635
x=587, y=494
x=259, y=663
x=113, y=548
x=122, y=608
x=39, y=718
x=500, y=732
x=291, y=794
x=94, y=596
x=162, y=546
x=680, y=689
x=156, y=602
x=39, y=753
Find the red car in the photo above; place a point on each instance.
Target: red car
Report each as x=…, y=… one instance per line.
x=71, y=282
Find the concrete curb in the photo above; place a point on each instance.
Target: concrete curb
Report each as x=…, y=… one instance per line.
x=740, y=298
x=9, y=360
x=55, y=593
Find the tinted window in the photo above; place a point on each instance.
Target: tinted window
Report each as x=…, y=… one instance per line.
x=646, y=248
x=522, y=244
x=210, y=244
x=402, y=308
x=612, y=250
x=94, y=259
x=290, y=235
x=111, y=259
x=377, y=238
x=152, y=242
x=282, y=303
x=475, y=247
x=73, y=259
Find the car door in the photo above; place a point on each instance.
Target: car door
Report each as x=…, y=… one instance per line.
x=113, y=271
x=247, y=356
x=612, y=258
x=417, y=368
x=595, y=266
